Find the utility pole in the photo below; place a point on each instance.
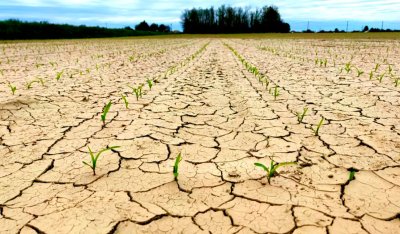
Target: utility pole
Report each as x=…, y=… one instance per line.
x=382, y=26
x=347, y=26
x=308, y=25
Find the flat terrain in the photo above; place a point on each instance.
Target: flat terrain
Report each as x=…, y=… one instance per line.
x=224, y=104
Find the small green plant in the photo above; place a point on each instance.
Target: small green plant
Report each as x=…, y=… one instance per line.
x=125, y=101
x=376, y=67
x=300, y=116
x=59, y=74
x=137, y=91
x=176, y=165
x=390, y=69
x=150, y=83
x=276, y=92
x=105, y=111
x=359, y=72
x=351, y=174
x=271, y=171
x=94, y=158
x=347, y=67
x=316, y=130
x=371, y=75
x=13, y=88
x=396, y=82
x=29, y=84
x=380, y=77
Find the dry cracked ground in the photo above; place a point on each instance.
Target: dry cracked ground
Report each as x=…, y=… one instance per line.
x=207, y=105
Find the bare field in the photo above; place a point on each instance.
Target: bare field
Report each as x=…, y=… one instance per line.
x=332, y=106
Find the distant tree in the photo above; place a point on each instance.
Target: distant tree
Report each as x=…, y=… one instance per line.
x=153, y=27
x=142, y=26
x=366, y=29
x=163, y=28
x=128, y=28
x=228, y=19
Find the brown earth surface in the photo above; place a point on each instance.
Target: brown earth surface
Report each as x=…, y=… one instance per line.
x=206, y=104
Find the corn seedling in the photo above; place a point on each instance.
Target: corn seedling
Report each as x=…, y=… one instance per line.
x=390, y=69
x=380, y=77
x=29, y=84
x=105, y=111
x=13, y=88
x=396, y=82
x=359, y=72
x=351, y=174
x=347, y=67
x=59, y=74
x=300, y=116
x=276, y=92
x=176, y=165
x=271, y=171
x=371, y=75
x=376, y=67
x=316, y=130
x=150, y=83
x=125, y=101
x=94, y=158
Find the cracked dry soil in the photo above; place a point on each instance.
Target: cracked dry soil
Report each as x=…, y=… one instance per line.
x=206, y=105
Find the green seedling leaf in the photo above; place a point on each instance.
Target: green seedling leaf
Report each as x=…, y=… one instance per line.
x=150, y=83
x=316, y=130
x=176, y=166
x=300, y=116
x=347, y=67
x=271, y=171
x=276, y=92
x=13, y=88
x=125, y=101
x=59, y=74
x=94, y=158
x=105, y=111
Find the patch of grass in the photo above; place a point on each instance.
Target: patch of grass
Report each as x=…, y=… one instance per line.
x=94, y=158
x=271, y=171
x=316, y=130
x=176, y=165
x=105, y=111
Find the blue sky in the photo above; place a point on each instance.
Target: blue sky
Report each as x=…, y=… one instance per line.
x=322, y=14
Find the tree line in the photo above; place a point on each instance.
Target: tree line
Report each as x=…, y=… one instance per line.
x=16, y=29
x=144, y=26
x=227, y=19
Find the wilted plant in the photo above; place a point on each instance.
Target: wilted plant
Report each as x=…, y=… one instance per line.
x=105, y=111
x=316, y=130
x=94, y=158
x=125, y=101
x=300, y=116
x=176, y=165
x=13, y=88
x=271, y=171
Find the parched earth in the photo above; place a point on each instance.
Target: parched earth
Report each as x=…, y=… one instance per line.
x=206, y=104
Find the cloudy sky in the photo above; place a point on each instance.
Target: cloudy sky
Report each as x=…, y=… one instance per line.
x=322, y=14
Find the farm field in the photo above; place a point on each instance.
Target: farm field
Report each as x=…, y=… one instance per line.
x=328, y=108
